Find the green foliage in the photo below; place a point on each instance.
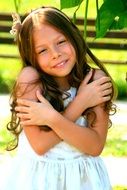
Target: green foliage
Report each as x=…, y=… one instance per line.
x=9, y=68
x=3, y=85
x=70, y=3
x=17, y=5
x=120, y=188
x=118, y=74
x=117, y=139
x=111, y=14
x=25, y=5
x=122, y=89
x=5, y=138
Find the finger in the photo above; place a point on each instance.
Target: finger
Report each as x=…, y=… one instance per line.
x=107, y=92
x=22, y=109
x=26, y=122
x=104, y=79
x=24, y=102
x=107, y=98
x=107, y=85
x=23, y=116
x=88, y=77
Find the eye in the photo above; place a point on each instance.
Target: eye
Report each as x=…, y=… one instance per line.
x=42, y=51
x=62, y=41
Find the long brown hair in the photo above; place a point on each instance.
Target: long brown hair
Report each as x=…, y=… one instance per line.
x=61, y=22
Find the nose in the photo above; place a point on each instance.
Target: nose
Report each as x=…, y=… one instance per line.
x=55, y=52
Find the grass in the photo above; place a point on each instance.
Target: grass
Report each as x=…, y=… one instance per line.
x=117, y=134
x=120, y=188
x=116, y=142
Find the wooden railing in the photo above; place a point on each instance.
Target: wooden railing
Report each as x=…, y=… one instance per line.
x=114, y=40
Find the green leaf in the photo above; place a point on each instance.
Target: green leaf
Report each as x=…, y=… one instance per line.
x=125, y=3
x=123, y=19
x=120, y=22
x=106, y=20
x=85, y=19
x=108, y=11
x=69, y=3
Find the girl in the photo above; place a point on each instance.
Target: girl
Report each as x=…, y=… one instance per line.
x=60, y=108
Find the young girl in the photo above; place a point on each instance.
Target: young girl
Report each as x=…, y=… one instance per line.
x=60, y=108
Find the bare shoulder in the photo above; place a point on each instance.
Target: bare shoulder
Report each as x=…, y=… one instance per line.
x=28, y=83
x=98, y=73
x=27, y=74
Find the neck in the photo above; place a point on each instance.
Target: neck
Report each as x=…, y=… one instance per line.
x=63, y=83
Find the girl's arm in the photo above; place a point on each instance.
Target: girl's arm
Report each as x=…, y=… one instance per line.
x=89, y=95
x=38, y=139
x=89, y=140
x=41, y=141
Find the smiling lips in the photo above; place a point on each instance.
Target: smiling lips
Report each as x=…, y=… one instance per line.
x=60, y=65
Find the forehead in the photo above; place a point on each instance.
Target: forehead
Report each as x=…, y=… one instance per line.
x=46, y=33
x=46, y=28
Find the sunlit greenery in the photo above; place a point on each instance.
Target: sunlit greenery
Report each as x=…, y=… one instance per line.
x=120, y=188
x=117, y=141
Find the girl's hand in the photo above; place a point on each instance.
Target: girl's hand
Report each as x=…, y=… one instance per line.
x=34, y=113
x=96, y=92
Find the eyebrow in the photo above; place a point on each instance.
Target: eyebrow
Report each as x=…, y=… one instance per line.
x=59, y=36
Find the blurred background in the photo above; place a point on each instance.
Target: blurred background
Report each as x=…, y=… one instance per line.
x=116, y=146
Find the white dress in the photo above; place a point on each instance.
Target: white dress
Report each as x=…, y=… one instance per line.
x=62, y=168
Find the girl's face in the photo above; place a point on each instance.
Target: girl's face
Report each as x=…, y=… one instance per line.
x=54, y=52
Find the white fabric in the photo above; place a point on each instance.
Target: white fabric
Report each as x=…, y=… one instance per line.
x=62, y=168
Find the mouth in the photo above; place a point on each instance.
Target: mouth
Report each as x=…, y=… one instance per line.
x=61, y=64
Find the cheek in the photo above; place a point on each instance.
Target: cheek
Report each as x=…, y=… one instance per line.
x=43, y=66
x=73, y=53
x=42, y=61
